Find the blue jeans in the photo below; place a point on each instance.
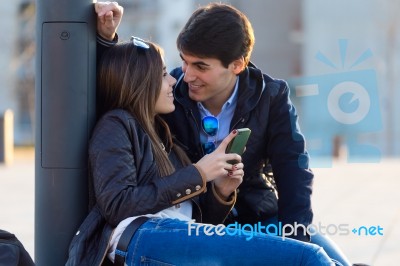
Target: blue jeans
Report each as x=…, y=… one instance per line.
x=330, y=248
x=175, y=242
x=333, y=251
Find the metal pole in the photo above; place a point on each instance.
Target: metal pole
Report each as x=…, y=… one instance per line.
x=65, y=114
x=7, y=137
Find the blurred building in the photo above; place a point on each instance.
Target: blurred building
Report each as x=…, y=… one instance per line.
x=354, y=45
x=159, y=21
x=8, y=25
x=309, y=39
x=17, y=20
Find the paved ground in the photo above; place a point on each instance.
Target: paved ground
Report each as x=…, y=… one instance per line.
x=361, y=195
x=346, y=197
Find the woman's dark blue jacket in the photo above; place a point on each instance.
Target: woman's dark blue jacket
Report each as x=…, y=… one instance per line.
x=126, y=183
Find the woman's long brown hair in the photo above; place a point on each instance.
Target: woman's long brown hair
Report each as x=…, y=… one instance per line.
x=130, y=78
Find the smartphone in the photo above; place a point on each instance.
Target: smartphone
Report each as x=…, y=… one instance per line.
x=238, y=144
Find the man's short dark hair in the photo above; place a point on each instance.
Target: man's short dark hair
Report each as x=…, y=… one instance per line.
x=217, y=31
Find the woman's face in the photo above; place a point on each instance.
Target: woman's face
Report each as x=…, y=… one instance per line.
x=165, y=101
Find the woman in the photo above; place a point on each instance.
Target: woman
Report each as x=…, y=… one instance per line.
x=138, y=171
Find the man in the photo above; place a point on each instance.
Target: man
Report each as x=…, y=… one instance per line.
x=218, y=81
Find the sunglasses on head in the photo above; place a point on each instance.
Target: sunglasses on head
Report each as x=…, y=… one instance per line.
x=139, y=43
x=210, y=125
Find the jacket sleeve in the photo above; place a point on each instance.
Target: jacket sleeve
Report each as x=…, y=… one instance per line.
x=102, y=45
x=289, y=160
x=117, y=157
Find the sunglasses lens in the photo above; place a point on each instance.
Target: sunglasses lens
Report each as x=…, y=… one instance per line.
x=208, y=147
x=210, y=125
x=139, y=42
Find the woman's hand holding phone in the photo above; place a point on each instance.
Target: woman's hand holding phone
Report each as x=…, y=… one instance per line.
x=226, y=185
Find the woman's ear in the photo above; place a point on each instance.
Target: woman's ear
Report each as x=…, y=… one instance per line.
x=238, y=65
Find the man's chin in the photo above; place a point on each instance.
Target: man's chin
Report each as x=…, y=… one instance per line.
x=195, y=96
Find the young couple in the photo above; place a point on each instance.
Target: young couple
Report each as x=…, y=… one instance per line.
x=156, y=165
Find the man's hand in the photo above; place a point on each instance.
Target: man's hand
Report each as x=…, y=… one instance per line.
x=109, y=16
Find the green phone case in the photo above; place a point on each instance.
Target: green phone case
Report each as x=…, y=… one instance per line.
x=238, y=144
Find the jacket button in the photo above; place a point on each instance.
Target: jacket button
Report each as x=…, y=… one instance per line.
x=198, y=187
x=178, y=195
x=188, y=191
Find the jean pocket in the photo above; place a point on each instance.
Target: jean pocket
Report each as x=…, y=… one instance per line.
x=146, y=261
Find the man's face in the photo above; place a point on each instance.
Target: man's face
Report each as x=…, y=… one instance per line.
x=208, y=80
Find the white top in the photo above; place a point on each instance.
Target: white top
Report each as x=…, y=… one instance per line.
x=182, y=211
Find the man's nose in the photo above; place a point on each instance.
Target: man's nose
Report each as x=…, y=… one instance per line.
x=189, y=74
